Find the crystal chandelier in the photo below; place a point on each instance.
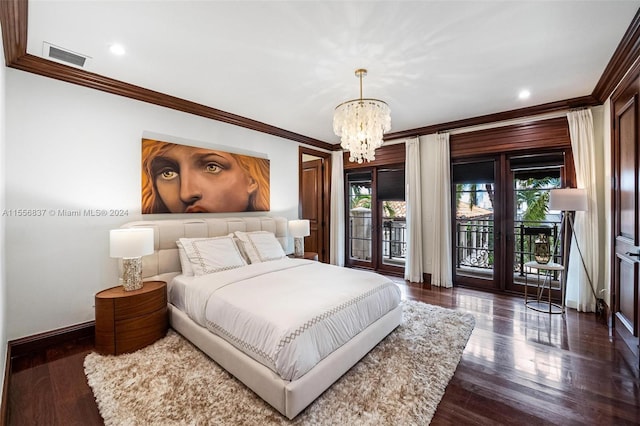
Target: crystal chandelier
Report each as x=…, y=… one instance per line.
x=360, y=123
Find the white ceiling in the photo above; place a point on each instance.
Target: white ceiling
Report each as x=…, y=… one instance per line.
x=289, y=63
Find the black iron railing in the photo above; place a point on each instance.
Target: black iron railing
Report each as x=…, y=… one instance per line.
x=394, y=238
x=526, y=233
x=474, y=242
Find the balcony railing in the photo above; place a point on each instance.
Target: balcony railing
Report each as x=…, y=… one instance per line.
x=394, y=241
x=474, y=243
x=526, y=234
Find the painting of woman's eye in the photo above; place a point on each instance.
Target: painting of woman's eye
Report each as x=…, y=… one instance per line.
x=213, y=168
x=168, y=174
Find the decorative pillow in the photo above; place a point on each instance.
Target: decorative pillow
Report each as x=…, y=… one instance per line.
x=184, y=260
x=209, y=255
x=260, y=246
x=240, y=246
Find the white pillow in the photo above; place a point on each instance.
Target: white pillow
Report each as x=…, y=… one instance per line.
x=209, y=255
x=261, y=246
x=185, y=263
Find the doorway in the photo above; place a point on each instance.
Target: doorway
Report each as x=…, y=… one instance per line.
x=314, y=183
x=500, y=206
x=376, y=225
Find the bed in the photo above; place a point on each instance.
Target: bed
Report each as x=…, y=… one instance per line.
x=295, y=377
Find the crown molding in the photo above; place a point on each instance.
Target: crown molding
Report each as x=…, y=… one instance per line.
x=567, y=104
x=13, y=18
x=621, y=61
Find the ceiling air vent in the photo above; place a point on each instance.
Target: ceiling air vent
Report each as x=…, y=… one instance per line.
x=64, y=55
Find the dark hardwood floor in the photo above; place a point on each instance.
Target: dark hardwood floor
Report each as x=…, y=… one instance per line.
x=519, y=367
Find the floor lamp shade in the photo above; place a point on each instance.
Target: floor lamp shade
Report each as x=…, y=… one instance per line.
x=130, y=244
x=568, y=199
x=299, y=229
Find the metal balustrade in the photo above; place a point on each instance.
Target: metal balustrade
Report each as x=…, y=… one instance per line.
x=394, y=241
x=474, y=243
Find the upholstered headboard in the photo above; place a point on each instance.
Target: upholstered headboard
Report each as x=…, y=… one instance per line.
x=165, y=258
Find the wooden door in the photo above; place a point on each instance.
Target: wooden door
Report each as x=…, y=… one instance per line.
x=477, y=225
x=314, y=183
x=312, y=202
x=626, y=221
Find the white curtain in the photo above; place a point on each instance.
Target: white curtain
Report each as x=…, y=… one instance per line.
x=436, y=165
x=413, y=269
x=579, y=294
x=336, y=237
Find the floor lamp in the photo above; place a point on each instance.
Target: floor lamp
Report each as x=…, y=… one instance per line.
x=570, y=200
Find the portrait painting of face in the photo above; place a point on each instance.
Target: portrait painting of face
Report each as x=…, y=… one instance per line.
x=186, y=179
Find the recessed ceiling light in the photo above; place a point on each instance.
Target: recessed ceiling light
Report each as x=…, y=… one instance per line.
x=117, y=49
x=524, y=94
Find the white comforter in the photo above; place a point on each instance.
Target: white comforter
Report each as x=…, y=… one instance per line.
x=287, y=314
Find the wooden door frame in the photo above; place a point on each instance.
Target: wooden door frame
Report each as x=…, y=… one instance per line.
x=326, y=204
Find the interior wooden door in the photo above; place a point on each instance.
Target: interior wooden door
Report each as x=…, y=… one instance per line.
x=626, y=221
x=314, y=183
x=311, y=202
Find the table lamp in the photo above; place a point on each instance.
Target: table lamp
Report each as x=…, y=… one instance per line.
x=130, y=244
x=299, y=229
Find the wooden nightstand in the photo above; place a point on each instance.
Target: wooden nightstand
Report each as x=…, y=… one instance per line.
x=130, y=320
x=310, y=255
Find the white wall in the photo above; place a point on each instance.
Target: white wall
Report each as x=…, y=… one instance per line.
x=69, y=147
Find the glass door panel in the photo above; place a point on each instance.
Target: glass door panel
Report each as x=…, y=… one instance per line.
x=532, y=178
x=390, y=193
x=359, y=232
x=394, y=233
x=474, y=233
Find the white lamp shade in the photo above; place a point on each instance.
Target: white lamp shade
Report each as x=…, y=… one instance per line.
x=568, y=199
x=299, y=228
x=130, y=242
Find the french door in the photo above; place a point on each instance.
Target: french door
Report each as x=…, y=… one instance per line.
x=376, y=223
x=500, y=206
x=478, y=222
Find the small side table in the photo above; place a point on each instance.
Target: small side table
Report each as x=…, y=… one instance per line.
x=130, y=320
x=310, y=255
x=538, y=304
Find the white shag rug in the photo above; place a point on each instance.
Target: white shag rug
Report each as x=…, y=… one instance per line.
x=400, y=382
